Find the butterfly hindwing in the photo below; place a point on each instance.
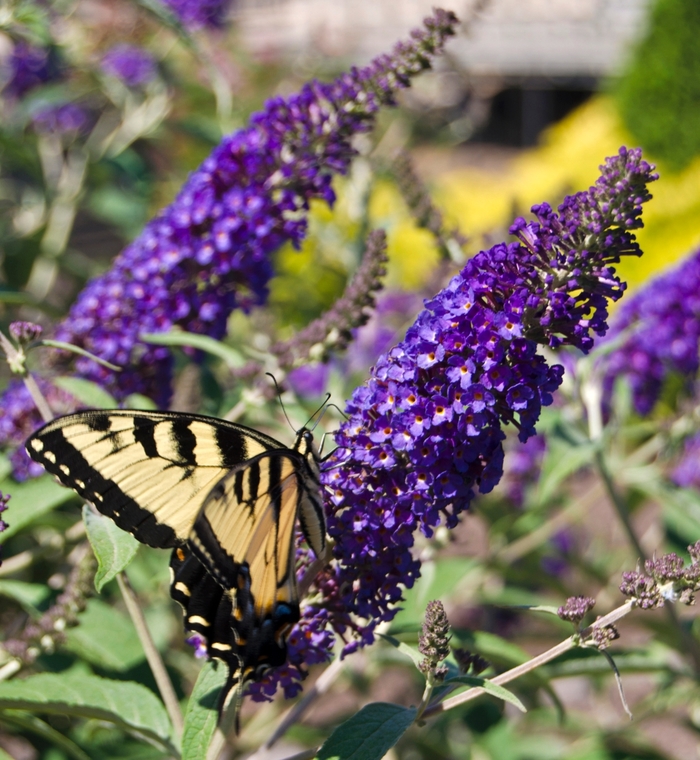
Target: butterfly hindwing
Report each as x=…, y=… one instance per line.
x=149, y=471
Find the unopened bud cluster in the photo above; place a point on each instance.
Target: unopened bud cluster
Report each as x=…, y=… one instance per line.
x=575, y=608
x=667, y=578
x=434, y=643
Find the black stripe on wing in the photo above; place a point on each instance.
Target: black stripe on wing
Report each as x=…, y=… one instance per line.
x=59, y=457
x=227, y=622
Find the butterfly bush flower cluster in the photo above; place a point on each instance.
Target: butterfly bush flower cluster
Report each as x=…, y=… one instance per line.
x=209, y=252
x=425, y=432
x=133, y=65
x=659, y=330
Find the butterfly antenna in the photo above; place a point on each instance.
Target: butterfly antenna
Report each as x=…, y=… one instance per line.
x=322, y=410
x=279, y=397
x=342, y=413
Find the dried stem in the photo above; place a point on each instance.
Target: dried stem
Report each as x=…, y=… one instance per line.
x=155, y=661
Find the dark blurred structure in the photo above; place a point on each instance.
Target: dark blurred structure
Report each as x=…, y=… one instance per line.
x=521, y=64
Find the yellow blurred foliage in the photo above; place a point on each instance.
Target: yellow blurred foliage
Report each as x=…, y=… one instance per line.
x=565, y=161
x=484, y=202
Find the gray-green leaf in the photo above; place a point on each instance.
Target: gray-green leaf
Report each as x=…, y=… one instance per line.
x=30, y=501
x=88, y=393
x=201, y=715
x=128, y=705
x=369, y=734
x=490, y=688
x=113, y=547
x=105, y=637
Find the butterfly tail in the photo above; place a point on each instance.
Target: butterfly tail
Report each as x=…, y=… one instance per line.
x=230, y=699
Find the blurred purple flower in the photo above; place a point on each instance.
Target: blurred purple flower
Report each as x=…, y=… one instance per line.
x=309, y=380
x=425, y=432
x=19, y=418
x=209, y=252
x=133, y=65
x=196, y=14
x=29, y=66
x=687, y=472
x=61, y=118
x=522, y=467
x=392, y=312
x=659, y=331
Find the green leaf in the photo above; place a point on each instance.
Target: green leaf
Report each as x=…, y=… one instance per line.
x=5, y=467
x=29, y=595
x=410, y=652
x=681, y=509
x=88, y=393
x=203, y=342
x=139, y=401
x=563, y=458
x=201, y=715
x=369, y=734
x=113, y=547
x=31, y=500
x=537, y=608
x=50, y=343
x=105, y=637
x=492, y=647
x=127, y=705
x=490, y=688
x=39, y=727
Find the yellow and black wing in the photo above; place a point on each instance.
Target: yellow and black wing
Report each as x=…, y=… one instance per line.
x=224, y=496
x=243, y=542
x=149, y=471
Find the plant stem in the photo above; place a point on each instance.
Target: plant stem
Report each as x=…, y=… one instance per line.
x=689, y=643
x=510, y=675
x=155, y=661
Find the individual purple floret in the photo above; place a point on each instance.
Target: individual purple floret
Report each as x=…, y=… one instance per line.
x=198, y=14
x=29, y=66
x=199, y=644
x=659, y=330
x=60, y=118
x=133, y=65
x=209, y=252
x=425, y=432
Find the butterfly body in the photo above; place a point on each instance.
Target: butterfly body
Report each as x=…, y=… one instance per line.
x=225, y=498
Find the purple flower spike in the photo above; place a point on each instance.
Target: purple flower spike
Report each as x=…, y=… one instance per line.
x=661, y=329
x=209, y=252
x=133, y=65
x=419, y=442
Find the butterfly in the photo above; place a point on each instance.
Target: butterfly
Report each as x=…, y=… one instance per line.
x=226, y=498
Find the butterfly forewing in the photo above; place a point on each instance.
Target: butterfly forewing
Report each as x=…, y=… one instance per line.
x=149, y=471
